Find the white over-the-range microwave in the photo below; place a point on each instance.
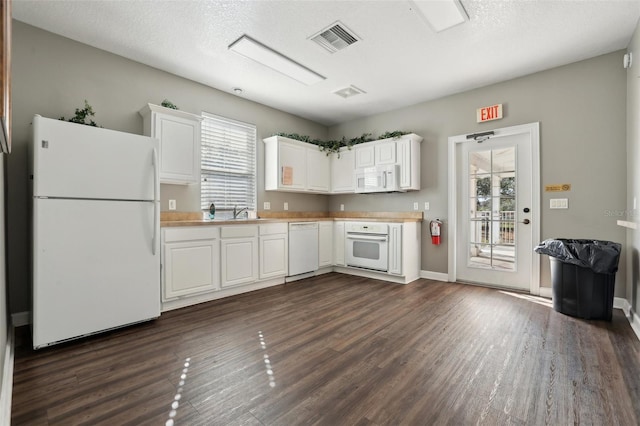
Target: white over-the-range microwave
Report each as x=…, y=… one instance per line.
x=383, y=178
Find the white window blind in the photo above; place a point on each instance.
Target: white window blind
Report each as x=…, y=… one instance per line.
x=228, y=163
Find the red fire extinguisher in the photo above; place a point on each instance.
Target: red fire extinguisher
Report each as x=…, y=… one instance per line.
x=436, y=230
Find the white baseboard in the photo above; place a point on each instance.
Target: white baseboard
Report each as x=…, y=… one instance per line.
x=7, y=381
x=632, y=317
x=436, y=276
x=621, y=303
x=545, y=292
x=21, y=318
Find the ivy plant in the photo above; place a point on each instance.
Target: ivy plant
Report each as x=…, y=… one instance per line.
x=82, y=115
x=168, y=104
x=333, y=146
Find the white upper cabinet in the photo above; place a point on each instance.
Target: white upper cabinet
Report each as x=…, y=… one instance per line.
x=365, y=155
x=179, y=136
x=318, y=170
x=408, y=149
x=375, y=153
x=291, y=165
x=342, y=171
x=385, y=153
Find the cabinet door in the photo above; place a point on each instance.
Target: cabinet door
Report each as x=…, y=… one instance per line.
x=190, y=267
x=409, y=159
x=292, y=163
x=338, y=243
x=179, y=148
x=342, y=169
x=395, y=248
x=325, y=243
x=318, y=168
x=274, y=253
x=385, y=153
x=239, y=261
x=365, y=156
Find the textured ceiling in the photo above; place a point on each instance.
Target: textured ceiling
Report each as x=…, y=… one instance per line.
x=399, y=61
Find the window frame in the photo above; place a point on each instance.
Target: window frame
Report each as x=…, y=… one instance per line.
x=225, y=124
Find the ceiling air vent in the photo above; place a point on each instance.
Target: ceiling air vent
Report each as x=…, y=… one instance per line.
x=335, y=37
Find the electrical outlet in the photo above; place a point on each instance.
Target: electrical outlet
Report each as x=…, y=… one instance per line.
x=267, y=205
x=341, y=207
x=415, y=206
x=426, y=205
x=286, y=205
x=172, y=204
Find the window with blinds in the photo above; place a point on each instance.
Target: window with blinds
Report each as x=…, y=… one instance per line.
x=228, y=163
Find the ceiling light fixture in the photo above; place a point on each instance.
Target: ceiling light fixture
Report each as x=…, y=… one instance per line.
x=348, y=92
x=440, y=14
x=252, y=49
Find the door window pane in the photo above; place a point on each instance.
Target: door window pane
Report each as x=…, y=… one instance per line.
x=492, y=205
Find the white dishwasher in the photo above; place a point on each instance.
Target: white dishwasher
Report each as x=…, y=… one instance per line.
x=303, y=247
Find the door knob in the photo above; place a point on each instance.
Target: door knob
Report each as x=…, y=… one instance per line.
x=526, y=210
x=526, y=221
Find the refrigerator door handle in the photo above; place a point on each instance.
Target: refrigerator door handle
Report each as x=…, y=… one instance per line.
x=156, y=201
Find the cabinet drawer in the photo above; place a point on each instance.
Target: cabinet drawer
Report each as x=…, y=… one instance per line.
x=191, y=233
x=238, y=231
x=274, y=228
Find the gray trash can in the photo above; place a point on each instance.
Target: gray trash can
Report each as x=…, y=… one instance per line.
x=583, y=276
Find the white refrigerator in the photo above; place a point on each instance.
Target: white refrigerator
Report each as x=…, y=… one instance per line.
x=96, y=227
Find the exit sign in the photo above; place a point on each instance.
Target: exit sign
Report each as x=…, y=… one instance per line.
x=493, y=112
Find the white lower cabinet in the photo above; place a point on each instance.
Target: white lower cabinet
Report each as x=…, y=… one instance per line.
x=190, y=261
x=325, y=243
x=238, y=255
x=274, y=250
x=395, y=248
x=338, y=243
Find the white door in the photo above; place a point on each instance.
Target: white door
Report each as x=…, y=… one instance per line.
x=239, y=261
x=96, y=265
x=190, y=267
x=342, y=171
x=76, y=161
x=179, y=148
x=318, y=169
x=293, y=165
x=496, y=206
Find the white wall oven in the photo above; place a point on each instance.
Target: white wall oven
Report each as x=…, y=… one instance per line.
x=367, y=245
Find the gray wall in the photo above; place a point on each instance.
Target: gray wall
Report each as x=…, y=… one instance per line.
x=633, y=172
x=53, y=75
x=581, y=110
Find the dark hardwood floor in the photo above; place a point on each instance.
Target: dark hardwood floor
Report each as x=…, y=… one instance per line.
x=341, y=350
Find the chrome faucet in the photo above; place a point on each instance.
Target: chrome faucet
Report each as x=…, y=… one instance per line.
x=236, y=212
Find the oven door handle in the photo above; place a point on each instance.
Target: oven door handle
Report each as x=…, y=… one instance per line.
x=367, y=237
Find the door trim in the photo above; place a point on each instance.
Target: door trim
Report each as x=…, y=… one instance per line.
x=533, y=129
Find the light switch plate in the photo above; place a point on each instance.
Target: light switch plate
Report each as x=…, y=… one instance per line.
x=341, y=207
x=559, y=203
x=267, y=205
x=172, y=204
x=286, y=205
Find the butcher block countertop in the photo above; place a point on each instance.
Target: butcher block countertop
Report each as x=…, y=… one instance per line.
x=170, y=219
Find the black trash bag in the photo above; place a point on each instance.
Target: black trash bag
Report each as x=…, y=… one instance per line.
x=600, y=256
